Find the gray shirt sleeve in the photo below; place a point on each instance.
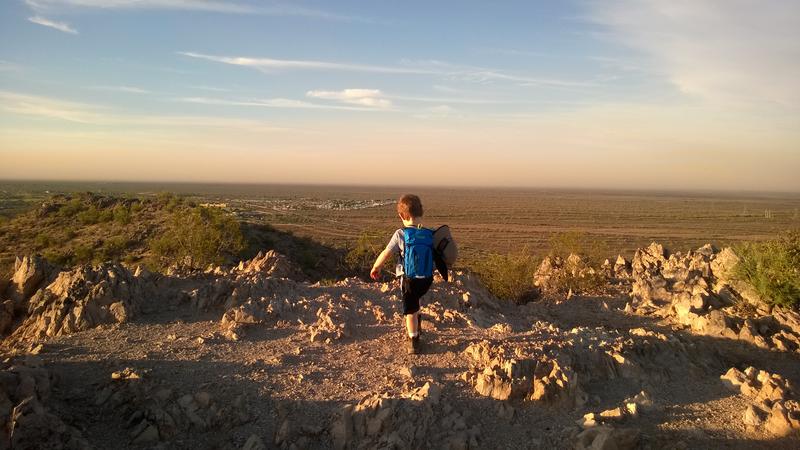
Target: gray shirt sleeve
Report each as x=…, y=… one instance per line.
x=396, y=242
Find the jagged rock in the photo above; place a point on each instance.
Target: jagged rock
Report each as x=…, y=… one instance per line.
x=555, y=384
x=254, y=442
x=271, y=264
x=249, y=313
x=607, y=438
x=419, y=418
x=642, y=400
x=648, y=261
x=85, y=298
x=30, y=273
x=622, y=267
x=766, y=389
x=326, y=329
x=723, y=263
x=787, y=318
x=753, y=416
x=24, y=391
x=157, y=413
x=733, y=379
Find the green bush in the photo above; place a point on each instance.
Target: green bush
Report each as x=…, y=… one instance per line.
x=122, y=214
x=112, y=249
x=82, y=254
x=43, y=240
x=362, y=254
x=197, y=237
x=772, y=268
x=510, y=276
x=57, y=257
x=136, y=207
x=71, y=208
x=90, y=216
x=105, y=215
x=169, y=201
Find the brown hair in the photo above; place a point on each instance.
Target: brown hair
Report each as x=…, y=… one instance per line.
x=410, y=205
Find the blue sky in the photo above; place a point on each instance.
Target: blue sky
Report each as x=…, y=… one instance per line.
x=578, y=93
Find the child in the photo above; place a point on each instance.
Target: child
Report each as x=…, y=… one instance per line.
x=415, y=246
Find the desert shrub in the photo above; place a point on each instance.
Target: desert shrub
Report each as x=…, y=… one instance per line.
x=122, y=214
x=105, y=215
x=112, y=249
x=57, y=257
x=70, y=233
x=509, y=276
x=305, y=256
x=361, y=255
x=580, y=281
x=136, y=207
x=592, y=251
x=772, y=267
x=71, y=208
x=90, y=216
x=197, y=237
x=168, y=201
x=82, y=254
x=43, y=240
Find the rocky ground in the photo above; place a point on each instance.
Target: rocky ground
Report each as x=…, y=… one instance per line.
x=673, y=355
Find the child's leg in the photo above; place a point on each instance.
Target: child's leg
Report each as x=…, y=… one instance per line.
x=411, y=324
x=410, y=306
x=413, y=292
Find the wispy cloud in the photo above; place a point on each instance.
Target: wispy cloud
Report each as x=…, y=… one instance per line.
x=33, y=105
x=89, y=114
x=271, y=65
x=737, y=51
x=209, y=88
x=225, y=7
x=269, y=103
x=125, y=89
x=372, y=98
x=430, y=67
x=60, y=26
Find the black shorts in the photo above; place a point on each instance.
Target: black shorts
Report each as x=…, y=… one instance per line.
x=413, y=289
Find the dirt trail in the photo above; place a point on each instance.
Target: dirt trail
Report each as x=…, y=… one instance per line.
x=247, y=358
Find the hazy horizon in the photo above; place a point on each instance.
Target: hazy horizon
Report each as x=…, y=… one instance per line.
x=620, y=95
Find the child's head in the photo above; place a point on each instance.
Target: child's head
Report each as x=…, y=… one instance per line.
x=409, y=207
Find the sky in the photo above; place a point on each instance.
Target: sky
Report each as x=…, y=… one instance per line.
x=628, y=94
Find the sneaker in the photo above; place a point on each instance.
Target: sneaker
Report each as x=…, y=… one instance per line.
x=414, y=345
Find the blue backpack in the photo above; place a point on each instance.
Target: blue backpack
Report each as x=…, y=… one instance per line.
x=418, y=253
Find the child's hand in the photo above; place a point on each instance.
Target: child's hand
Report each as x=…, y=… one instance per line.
x=375, y=273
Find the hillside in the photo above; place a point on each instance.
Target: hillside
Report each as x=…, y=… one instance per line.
x=674, y=354
x=80, y=228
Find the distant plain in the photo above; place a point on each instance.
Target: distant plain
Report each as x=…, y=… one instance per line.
x=483, y=220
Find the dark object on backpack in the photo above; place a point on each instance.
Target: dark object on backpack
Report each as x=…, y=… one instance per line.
x=418, y=252
x=445, y=250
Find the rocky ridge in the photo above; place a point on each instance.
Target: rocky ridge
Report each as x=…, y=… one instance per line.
x=592, y=368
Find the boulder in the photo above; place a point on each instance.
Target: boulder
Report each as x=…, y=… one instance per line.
x=270, y=264
x=84, y=298
x=722, y=265
x=753, y=416
x=30, y=273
